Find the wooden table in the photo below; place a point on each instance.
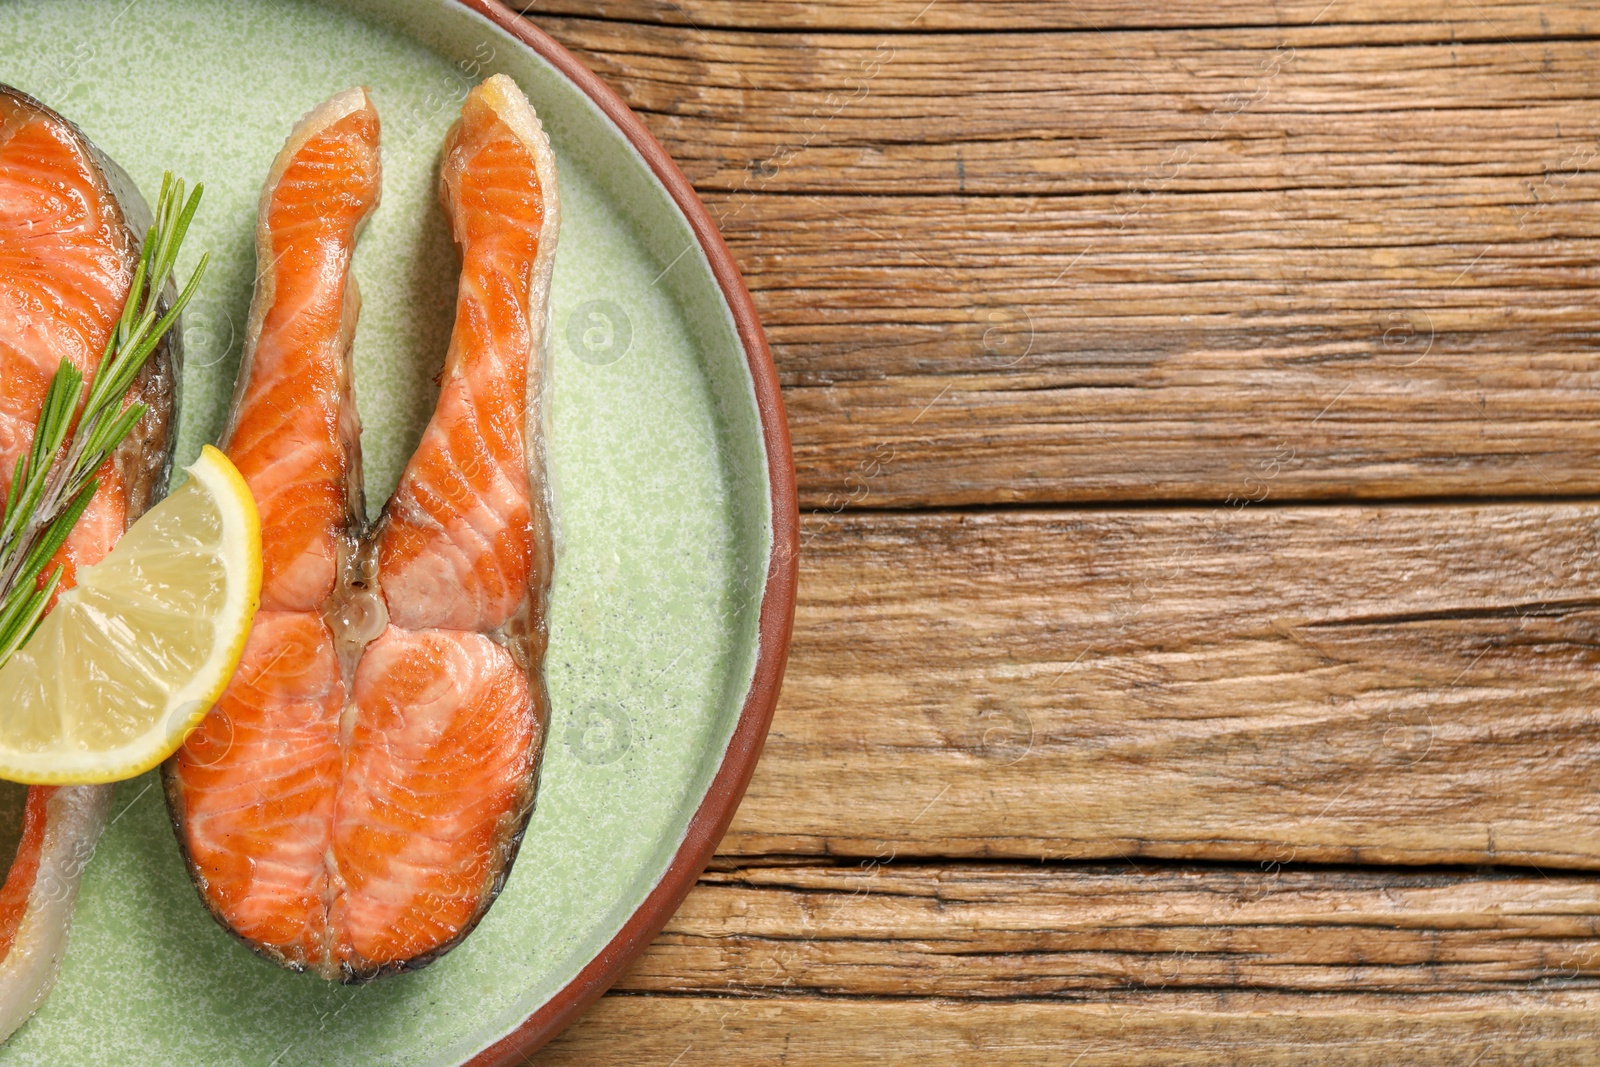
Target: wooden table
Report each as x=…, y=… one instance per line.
x=1195, y=411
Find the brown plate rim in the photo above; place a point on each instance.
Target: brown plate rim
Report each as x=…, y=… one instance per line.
x=727, y=788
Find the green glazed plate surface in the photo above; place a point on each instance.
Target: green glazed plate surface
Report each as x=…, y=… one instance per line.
x=656, y=450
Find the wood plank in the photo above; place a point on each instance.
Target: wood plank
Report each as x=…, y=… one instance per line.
x=1373, y=261
x=1199, y=355
x=1340, y=684
x=1144, y=114
x=1193, y=1030
x=966, y=931
x=1516, y=20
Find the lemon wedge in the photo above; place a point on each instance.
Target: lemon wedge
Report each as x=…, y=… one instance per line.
x=132, y=657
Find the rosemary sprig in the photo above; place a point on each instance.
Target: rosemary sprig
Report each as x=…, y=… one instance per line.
x=54, y=480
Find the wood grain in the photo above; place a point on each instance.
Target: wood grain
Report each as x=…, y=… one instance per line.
x=1373, y=17
x=1377, y=685
x=1172, y=365
x=1098, y=112
x=1194, y=1030
x=1015, y=931
x=1140, y=262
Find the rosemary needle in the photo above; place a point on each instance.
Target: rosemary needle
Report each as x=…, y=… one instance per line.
x=54, y=480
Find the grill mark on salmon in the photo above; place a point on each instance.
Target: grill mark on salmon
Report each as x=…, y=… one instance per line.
x=354, y=803
x=70, y=226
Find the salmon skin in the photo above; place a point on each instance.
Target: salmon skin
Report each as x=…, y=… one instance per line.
x=70, y=226
x=353, y=804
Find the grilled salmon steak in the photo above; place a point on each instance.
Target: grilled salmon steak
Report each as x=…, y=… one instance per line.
x=353, y=804
x=70, y=226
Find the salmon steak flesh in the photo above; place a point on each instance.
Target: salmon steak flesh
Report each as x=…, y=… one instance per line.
x=353, y=804
x=71, y=223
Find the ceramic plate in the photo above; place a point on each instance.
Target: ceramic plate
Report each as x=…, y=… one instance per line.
x=674, y=589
